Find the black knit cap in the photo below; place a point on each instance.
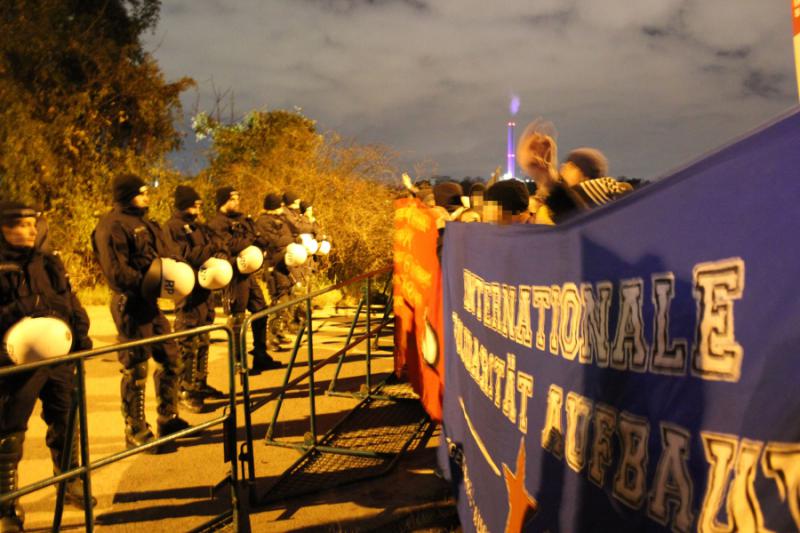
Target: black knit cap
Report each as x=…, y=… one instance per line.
x=224, y=194
x=185, y=197
x=591, y=161
x=127, y=187
x=11, y=211
x=511, y=195
x=447, y=194
x=477, y=188
x=272, y=201
x=289, y=198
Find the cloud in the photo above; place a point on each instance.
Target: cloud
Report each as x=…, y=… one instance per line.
x=653, y=83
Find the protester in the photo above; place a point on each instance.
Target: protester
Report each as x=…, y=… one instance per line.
x=243, y=294
x=506, y=202
x=126, y=245
x=537, y=154
x=585, y=172
x=34, y=283
x=197, y=243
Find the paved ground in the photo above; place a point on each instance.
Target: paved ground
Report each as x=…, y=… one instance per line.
x=171, y=491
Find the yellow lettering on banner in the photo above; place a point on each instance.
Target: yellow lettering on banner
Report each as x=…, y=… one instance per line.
x=469, y=292
x=509, y=398
x=414, y=216
x=668, y=357
x=570, y=323
x=723, y=453
x=552, y=434
x=404, y=237
x=629, y=482
x=555, y=305
x=506, y=325
x=716, y=354
x=595, y=324
x=629, y=346
x=525, y=388
x=496, y=308
x=541, y=301
x=579, y=414
x=781, y=462
x=523, y=327
x=605, y=425
x=499, y=369
x=486, y=369
x=672, y=483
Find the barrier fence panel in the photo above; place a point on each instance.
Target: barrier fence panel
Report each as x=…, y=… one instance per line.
x=313, y=444
x=237, y=515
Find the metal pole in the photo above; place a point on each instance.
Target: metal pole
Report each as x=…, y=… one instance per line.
x=369, y=334
x=83, y=425
x=313, y=417
x=332, y=385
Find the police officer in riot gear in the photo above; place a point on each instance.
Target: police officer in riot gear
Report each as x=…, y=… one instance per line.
x=273, y=226
x=125, y=244
x=243, y=293
x=34, y=284
x=197, y=243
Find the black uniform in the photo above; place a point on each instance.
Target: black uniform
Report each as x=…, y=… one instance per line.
x=33, y=283
x=244, y=293
x=197, y=243
x=125, y=244
x=276, y=231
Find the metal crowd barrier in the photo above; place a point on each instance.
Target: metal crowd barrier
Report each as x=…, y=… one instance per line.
x=237, y=514
x=311, y=439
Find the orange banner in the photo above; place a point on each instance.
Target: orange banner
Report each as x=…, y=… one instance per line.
x=796, y=27
x=418, y=303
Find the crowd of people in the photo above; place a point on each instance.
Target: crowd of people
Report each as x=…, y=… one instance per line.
x=186, y=260
x=552, y=195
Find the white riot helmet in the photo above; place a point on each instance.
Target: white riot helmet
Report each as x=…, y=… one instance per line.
x=310, y=243
x=324, y=248
x=35, y=339
x=296, y=254
x=250, y=259
x=215, y=274
x=167, y=278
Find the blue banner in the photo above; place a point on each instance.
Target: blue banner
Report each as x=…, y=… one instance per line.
x=638, y=368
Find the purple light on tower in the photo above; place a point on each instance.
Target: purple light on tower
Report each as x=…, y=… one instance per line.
x=511, y=157
x=513, y=107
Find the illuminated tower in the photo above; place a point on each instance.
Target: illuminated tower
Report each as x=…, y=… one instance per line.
x=511, y=157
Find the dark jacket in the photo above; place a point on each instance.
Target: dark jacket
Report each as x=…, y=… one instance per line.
x=297, y=222
x=35, y=283
x=195, y=241
x=237, y=230
x=276, y=231
x=125, y=243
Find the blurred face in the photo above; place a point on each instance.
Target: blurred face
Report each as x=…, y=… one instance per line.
x=142, y=199
x=232, y=205
x=22, y=234
x=195, y=209
x=571, y=174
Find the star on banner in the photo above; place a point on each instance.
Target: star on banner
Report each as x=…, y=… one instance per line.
x=519, y=499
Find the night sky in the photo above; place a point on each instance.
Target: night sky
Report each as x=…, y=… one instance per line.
x=652, y=83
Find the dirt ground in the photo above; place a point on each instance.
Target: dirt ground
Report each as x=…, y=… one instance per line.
x=171, y=491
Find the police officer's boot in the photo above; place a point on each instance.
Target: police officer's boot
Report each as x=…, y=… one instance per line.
x=11, y=514
x=166, y=378
x=189, y=397
x=201, y=377
x=73, y=492
x=137, y=430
